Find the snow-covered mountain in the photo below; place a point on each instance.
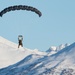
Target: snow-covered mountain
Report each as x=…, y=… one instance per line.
x=38, y=63
x=54, y=49
x=11, y=54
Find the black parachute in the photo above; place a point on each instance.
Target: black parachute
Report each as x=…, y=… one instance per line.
x=20, y=7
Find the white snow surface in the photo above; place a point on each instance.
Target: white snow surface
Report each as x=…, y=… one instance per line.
x=34, y=62
x=11, y=54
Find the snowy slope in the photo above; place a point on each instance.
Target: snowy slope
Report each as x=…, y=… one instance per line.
x=10, y=54
x=60, y=63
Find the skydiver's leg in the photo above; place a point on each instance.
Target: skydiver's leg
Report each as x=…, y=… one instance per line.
x=18, y=46
x=22, y=45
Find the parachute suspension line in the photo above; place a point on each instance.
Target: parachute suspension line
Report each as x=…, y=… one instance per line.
x=20, y=7
x=20, y=30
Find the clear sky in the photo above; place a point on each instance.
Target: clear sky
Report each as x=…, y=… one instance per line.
x=55, y=27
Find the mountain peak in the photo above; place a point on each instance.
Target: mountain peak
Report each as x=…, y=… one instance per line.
x=54, y=48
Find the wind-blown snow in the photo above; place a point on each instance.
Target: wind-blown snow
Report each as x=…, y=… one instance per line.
x=39, y=63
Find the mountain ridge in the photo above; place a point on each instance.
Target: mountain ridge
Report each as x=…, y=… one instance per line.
x=59, y=63
x=11, y=54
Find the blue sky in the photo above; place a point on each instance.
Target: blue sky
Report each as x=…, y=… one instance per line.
x=55, y=27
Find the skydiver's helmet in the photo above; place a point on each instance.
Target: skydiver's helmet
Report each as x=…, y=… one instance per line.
x=20, y=38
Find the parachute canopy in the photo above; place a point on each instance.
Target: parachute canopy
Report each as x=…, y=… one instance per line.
x=20, y=7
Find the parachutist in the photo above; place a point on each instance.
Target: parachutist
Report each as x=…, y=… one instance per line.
x=20, y=39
